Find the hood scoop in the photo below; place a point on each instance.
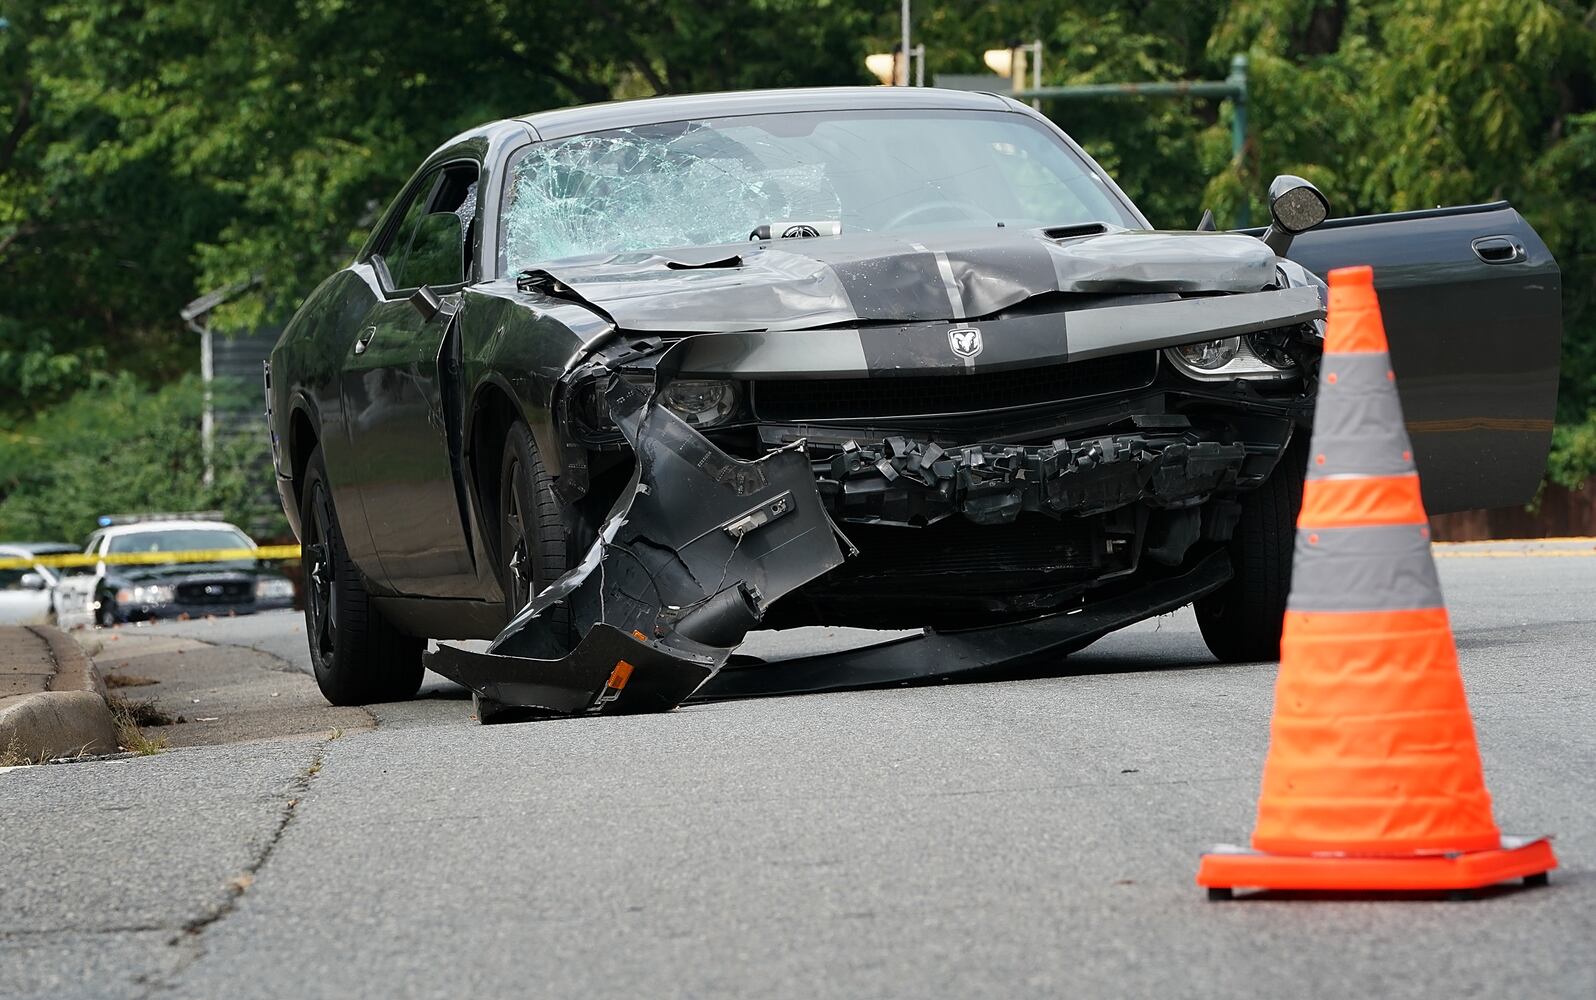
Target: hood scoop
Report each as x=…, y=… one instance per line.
x=1060, y=233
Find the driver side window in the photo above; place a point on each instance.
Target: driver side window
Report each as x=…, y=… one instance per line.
x=435, y=241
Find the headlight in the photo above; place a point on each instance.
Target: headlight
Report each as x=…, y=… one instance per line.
x=272, y=589
x=149, y=593
x=1254, y=356
x=1211, y=355
x=701, y=402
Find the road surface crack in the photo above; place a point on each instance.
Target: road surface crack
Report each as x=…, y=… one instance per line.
x=192, y=931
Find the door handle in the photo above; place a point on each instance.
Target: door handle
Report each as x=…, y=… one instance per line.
x=1498, y=249
x=364, y=339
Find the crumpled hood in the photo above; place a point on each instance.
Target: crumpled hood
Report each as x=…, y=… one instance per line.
x=796, y=284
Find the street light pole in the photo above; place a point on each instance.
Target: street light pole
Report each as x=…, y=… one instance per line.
x=903, y=69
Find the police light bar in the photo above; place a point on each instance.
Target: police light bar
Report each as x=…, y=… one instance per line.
x=107, y=520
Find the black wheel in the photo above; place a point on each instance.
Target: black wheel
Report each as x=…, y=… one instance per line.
x=535, y=545
x=535, y=540
x=1241, y=621
x=1542, y=878
x=105, y=614
x=1220, y=895
x=359, y=658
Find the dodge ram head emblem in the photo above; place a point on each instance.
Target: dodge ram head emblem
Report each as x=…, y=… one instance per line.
x=965, y=341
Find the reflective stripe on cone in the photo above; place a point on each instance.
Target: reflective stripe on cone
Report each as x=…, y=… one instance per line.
x=1372, y=751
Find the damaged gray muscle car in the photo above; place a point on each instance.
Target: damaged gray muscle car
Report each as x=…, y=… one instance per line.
x=617, y=385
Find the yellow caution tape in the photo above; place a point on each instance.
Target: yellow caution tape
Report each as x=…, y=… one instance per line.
x=271, y=552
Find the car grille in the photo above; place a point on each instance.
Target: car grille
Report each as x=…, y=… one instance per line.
x=215, y=592
x=822, y=399
x=956, y=552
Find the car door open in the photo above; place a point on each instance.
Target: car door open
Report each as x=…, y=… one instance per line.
x=1472, y=305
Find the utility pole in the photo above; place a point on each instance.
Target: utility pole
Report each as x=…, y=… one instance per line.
x=892, y=68
x=903, y=66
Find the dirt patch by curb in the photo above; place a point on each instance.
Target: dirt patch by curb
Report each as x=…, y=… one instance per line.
x=223, y=694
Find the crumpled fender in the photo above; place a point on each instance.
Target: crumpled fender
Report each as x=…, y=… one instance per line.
x=696, y=548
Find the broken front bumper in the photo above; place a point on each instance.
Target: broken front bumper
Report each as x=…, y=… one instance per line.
x=694, y=551
x=905, y=481
x=701, y=543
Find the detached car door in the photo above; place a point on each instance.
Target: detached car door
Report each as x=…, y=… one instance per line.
x=1472, y=305
x=395, y=391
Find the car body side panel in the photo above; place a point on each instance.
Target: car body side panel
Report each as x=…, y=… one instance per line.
x=393, y=400
x=306, y=367
x=1475, y=345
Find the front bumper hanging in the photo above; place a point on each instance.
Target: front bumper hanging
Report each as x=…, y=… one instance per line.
x=696, y=548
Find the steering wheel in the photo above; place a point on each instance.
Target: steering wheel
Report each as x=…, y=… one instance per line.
x=964, y=208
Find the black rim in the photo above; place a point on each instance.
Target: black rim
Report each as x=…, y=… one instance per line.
x=518, y=575
x=321, y=597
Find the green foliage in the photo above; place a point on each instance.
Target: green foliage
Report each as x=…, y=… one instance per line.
x=121, y=447
x=152, y=150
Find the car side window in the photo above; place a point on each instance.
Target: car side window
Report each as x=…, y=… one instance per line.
x=435, y=242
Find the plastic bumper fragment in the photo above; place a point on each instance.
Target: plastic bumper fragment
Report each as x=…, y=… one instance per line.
x=608, y=671
x=936, y=656
x=693, y=552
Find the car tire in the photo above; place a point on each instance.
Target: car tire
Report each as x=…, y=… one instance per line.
x=535, y=545
x=535, y=539
x=105, y=614
x=359, y=658
x=1241, y=621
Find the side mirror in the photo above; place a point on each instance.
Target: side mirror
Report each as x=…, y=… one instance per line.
x=32, y=581
x=426, y=302
x=1295, y=206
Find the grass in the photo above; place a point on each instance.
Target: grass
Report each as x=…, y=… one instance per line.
x=12, y=755
x=130, y=716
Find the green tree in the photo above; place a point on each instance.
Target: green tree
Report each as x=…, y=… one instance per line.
x=151, y=150
x=119, y=446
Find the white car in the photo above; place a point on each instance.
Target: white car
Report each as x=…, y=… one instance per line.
x=27, y=595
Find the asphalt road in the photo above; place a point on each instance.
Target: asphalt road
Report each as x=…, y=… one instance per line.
x=1021, y=838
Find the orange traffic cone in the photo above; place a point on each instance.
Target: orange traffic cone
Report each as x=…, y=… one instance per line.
x=1373, y=780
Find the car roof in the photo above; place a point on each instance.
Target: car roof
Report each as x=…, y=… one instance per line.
x=564, y=122
x=186, y=524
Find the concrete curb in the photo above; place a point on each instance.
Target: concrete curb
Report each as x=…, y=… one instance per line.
x=69, y=718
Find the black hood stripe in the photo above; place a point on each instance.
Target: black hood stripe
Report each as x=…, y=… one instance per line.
x=801, y=284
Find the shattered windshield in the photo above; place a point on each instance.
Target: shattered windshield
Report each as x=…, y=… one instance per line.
x=701, y=183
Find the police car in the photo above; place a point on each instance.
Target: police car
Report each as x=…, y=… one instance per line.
x=209, y=572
